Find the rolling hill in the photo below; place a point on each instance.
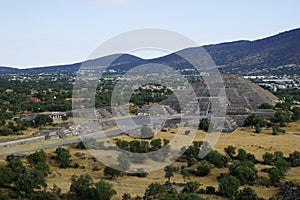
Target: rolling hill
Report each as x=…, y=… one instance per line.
x=241, y=57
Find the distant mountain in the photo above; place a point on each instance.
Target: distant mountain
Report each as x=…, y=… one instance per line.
x=242, y=57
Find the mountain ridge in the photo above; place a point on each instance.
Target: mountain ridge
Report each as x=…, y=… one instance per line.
x=239, y=56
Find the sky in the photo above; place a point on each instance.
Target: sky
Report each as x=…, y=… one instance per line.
x=43, y=33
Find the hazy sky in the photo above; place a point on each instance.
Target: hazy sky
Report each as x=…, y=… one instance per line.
x=39, y=33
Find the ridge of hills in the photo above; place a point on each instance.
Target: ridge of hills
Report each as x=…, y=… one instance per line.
x=241, y=57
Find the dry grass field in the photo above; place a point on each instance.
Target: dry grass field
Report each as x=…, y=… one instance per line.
x=245, y=138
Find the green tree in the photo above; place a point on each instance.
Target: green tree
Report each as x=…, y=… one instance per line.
x=111, y=172
x=6, y=176
x=203, y=169
x=253, y=120
x=29, y=181
x=205, y=124
x=246, y=194
x=63, y=157
x=228, y=186
x=169, y=171
x=42, y=120
x=265, y=106
x=191, y=187
x=281, y=117
x=230, y=151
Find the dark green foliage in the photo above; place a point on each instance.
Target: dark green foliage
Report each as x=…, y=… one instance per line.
x=156, y=144
x=253, y=120
x=63, y=157
x=204, y=125
x=268, y=158
x=281, y=117
x=191, y=187
x=276, y=175
x=230, y=151
x=216, y=158
x=203, y=169
x=257, y=128
x=15, y=164
x=210, y=190
x=245, y=174
x=228, y=186
x=126, y=196
x=29, y=181
x=294, y=159
x=3, y=196
x=37, y=160
x=169, y=171
x=64, y=118
x=296, y=113
x=265, y=106
x=153, y=191
x=42, y=120
x=246, y=194
x=289, y=191
x=6, y=176
x=82, y=187
x=111, y=172
x=245, y=157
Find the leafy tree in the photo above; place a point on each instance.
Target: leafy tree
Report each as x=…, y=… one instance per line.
x=268, y=158
x=185, y=173
x=156, y=144
x=203, y=169
x=276, y=175
x=6, y=176
x=228, y=186
x=216, y=158
x=82, y=187
x=245, y=174
x=153, y=191
x=169, y=170
x=126, y=196
x=42, y=120
x=204, y=124
x=296, y=113
x=230, y=151
x=294, y=159
x=103, y=191
x=63, y=157
x=15, y=164
x=191, y=187
x=257, y=128
x=210, y=190
x=281, y=117
x=64, y=118
x=29, y=181
x=109, y=171
x=246, y=194
x=265, y=106
x=253, y=120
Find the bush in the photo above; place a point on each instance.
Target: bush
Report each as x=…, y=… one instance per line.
x=203, y=169
x=253, y=120
x=228, y=186
x=210, y=190
x=265, y=106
